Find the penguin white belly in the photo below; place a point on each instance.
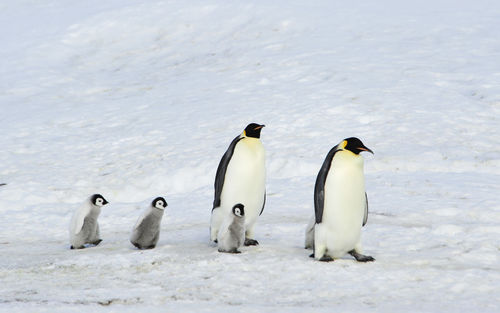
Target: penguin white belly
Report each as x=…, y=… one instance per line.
x=245, y=179
x=344, y=205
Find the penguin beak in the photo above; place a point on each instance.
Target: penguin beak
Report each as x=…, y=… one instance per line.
x=259, y=127
x=366, y=149
x=105, y=202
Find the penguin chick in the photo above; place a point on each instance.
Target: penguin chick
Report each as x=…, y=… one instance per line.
x=340, y=204
x=241, y=177
x=146, y=231
x=232, y=231
x=84, y=228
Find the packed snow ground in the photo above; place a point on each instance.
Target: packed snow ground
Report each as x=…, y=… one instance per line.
x=136, y=100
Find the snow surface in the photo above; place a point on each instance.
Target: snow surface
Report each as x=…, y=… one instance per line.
x=137, y=99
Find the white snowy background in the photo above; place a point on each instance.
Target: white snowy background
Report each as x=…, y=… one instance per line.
x=138, y=99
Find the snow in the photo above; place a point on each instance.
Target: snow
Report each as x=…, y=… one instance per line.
x=136, y=99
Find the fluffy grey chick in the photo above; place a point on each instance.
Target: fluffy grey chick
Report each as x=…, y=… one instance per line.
x=84, y=228
x=231, y=234
x=146, y=232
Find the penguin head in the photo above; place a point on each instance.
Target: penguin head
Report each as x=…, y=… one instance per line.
x=239, y=210
x=98, y=200
x=159, y=203
x=354, y=145
x=253, y=130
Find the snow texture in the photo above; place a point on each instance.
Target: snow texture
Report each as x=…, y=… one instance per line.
x=138, y=99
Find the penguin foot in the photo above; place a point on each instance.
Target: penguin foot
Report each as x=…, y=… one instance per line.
x=138, y=246
x=98, y=241
x=326, y=258
x=73, y=248
x=251, y=242
x=360, y=257
x=235, y=251
x=311, y=255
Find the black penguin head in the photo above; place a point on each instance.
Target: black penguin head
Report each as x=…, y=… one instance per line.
x=98, y=200
x=159, y=203
x=239, y=210
x=354, y=145
x=253, y=130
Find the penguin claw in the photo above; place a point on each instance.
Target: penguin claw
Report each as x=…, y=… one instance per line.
x=360, y=257
x=365, y=258
x=251, y=242
x=326, y=258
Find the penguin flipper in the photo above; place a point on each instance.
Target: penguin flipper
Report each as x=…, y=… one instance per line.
x=319, y=187
x=263, y=204
x=139, y=220
x=79, y=219
x=221, y=171
x=365, y=217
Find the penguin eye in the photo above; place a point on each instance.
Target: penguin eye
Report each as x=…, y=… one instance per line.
x=237, y=212
x=99, y=201
x=160, y=203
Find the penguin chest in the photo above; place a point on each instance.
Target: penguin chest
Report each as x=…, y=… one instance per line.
x=89, y=226
x=344, y=200
x=149, y=227
x=245, y=176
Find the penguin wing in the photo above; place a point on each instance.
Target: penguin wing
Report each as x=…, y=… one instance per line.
x=319, y=187
x=365, y=217
x=221, y=171
x=79, y=218
x=140, y=219
x=263, y=204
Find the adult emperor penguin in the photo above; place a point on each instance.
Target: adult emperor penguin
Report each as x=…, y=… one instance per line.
x=231, y=234
x=84, y=228
x=146, y=231
x=241, y=178
x=340, y=204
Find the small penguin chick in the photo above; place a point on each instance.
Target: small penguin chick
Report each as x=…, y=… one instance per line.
x=84, y=228
x=146, y=232
x=231, y=234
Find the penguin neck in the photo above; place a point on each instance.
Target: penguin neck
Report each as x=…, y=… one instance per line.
x=347, y=159
x=156, y=212
x=95, y=211
x=252, y=142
